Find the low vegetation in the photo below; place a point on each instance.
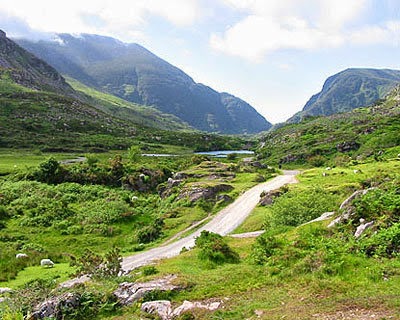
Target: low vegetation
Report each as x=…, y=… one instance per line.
x=365, y=133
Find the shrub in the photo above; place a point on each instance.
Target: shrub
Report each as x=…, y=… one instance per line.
x=47, y=171
x=317, y=161
x=300, y=206
x=97, y=266
x=150, y=233
x=149, y=270
x=214, y=248
x=265, y=247
x=385, y=243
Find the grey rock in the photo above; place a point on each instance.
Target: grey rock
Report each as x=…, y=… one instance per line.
x=5, y=290
x=128, y=293
x=56, y=307
x=187, y=305
x=362, y=227
x=161, y=308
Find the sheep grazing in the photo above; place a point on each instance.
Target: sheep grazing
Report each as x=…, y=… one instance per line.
x=46, y=263
x=21, y=256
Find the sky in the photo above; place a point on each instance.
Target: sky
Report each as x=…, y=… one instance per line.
x=274, y=54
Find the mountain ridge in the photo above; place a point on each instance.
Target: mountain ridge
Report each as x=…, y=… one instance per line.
x=349, y=89
x=132, y=72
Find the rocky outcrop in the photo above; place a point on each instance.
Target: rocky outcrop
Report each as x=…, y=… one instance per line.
x=128, y=293
x=347, y=208
x=195, y=193
x=267, y=198
x=56, y=307
x=347, y=146
x=164, y=310
x=362, y=227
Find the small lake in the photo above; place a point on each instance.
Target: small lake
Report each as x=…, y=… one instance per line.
x=224, y=153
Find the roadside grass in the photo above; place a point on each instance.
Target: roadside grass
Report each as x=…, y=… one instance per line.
x=340, y=181
x=287, y=291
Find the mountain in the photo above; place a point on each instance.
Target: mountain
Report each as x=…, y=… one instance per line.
x=26, y=69
x=350, y=89
x=39, y=109
x=329, y=140
x=133, y=73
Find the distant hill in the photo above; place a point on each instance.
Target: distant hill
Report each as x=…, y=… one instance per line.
x=133, y=73
x=349, y=89
x=326, y=140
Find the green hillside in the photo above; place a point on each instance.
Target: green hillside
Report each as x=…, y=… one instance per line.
x=120, y=108
x=350, y=89
x=359, y=134
x=133, y=73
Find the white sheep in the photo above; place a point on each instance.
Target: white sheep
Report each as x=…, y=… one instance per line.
x=46, y=263
x=21, y=256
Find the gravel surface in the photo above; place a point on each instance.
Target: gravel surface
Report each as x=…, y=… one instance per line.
x=226, y=221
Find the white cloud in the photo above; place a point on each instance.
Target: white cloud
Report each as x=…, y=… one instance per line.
x=387, y=33
x=118, y=17
x=295, y=24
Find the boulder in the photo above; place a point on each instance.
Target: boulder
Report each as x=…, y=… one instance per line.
x=161, y=308
x=128, y=292
x=267, y=198
x=56, y=307
x=347, y=146
x=347, y=208
x=362, y=227
x=198, y=192
x=187, y=305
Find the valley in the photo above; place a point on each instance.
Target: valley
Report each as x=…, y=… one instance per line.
x=118, y=220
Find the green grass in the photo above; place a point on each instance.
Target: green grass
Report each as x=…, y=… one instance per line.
x=59, y=273
x=369, y=133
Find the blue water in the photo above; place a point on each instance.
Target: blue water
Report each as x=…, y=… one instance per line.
x=224, y=153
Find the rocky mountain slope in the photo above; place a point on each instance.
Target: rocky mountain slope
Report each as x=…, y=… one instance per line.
x=26, y=69
x=133, y=73
x=349, y=89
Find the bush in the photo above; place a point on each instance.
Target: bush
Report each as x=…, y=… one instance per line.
x=48, y=171
x=213, y=248
x=265, y=247
x=97, y=266
x=300, y=206
x=150, y=233
x=385, y=243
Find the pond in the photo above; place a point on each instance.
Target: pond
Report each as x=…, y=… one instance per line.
x=224, y=153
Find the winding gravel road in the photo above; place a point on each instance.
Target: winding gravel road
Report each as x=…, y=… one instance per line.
x=227, y=220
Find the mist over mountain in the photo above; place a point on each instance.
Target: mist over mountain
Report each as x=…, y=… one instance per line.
x=350, y=89
x=26, y=69
x=133, y=73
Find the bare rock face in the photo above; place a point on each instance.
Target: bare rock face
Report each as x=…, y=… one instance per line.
x=128, y=293
x=2, y=34
x=56, y=307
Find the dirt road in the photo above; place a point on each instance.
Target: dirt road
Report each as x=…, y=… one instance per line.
x=227, y=220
